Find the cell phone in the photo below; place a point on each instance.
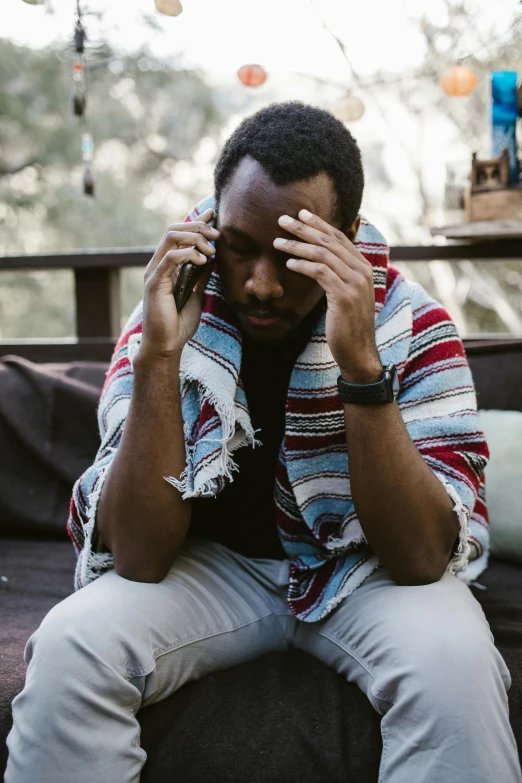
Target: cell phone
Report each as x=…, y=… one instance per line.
x=187, y=278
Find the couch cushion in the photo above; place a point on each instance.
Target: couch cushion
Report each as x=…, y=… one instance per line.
x=48, y=437
x=503, y=431
x=497, y=373
x=49, y=434
x=285, y=717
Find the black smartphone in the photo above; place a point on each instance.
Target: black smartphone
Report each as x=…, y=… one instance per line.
x=187, y=278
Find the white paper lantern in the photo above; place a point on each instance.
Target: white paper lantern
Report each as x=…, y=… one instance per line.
x=169, y=7
x=349, y=109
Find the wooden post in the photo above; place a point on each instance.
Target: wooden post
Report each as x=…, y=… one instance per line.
x=97, y=302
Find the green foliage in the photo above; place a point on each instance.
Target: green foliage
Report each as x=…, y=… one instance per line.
x=144, y=117
x=37, y=304
x=142, y=121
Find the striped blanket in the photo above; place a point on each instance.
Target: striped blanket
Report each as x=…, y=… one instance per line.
x=316, y=518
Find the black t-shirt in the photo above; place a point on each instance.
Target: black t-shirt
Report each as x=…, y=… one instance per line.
x=241, y=516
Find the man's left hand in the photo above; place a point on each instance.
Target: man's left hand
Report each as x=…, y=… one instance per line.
x=325, y=254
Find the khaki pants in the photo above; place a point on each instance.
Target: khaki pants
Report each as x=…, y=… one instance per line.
x=424, y=656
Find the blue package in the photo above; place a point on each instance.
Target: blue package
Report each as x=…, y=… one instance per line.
x=504, y=114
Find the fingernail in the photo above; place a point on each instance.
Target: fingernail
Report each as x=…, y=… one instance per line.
x=305, y=214
x=285, y=220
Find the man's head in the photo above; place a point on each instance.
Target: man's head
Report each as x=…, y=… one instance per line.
x=284, y=158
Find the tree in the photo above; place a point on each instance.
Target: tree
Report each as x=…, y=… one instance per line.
x=147, y=120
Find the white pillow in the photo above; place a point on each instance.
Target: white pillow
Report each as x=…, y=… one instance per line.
x=503, y=431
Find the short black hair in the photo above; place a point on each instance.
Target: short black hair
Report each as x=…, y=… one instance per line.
x=294, y=141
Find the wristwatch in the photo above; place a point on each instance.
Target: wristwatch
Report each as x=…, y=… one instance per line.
x=385, y=390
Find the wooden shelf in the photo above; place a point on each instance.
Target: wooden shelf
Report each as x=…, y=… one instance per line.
x=481, y=230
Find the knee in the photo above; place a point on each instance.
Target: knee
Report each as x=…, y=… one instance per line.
x=81, y=660
x=61, y=639
x=78, y=636
x=454, y=662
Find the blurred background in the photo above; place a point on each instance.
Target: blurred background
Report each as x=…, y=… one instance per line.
x=163, y=94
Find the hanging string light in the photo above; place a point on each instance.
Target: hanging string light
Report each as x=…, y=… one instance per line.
x=349, y=109
x=80, y=101
x=80, y=84
x=169, y=7
x=80, y=91
x=80, y=36
x=252, y=75
x=458, y=81
x=87, y=155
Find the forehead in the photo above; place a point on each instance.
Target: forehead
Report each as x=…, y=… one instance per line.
x=251, y=197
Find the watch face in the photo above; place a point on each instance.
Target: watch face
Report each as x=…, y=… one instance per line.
x=395, y=379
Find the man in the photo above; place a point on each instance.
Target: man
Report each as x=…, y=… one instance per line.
x=198, y=552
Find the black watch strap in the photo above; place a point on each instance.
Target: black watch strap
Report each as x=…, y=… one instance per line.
x=369, y=393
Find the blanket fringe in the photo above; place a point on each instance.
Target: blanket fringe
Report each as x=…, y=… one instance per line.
x=352, y=584
x=92, y=564
x=460, y=559
x=224, y=466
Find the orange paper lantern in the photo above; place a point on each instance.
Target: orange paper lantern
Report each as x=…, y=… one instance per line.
x=458, y=81
x=252, y=75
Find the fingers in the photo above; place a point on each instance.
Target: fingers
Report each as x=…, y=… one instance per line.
x=167, y=267
x=317, y=254
x=314, y=221
x=201, y=225
x=324, y=255
x=316, y=231
x=345, y=295
x=174, y=239
x=179, y=235
x=327, y=278
x=178, y=239
x=204, y=229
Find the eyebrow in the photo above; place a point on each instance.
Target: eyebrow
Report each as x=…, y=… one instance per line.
x=237, y=232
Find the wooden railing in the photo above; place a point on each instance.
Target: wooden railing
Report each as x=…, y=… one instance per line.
x=97, y=291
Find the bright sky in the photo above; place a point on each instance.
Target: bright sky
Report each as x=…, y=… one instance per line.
x=282, y=35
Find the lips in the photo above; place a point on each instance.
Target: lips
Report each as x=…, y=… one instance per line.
x=262, y=319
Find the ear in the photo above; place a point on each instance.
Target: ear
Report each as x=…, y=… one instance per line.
x=354, y=228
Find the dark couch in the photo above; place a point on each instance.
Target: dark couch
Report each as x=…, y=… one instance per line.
x=285, y=717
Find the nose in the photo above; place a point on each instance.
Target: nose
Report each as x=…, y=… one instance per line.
x=264, y=281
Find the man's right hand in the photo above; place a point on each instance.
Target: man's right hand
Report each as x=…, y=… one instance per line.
x=165, y=331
